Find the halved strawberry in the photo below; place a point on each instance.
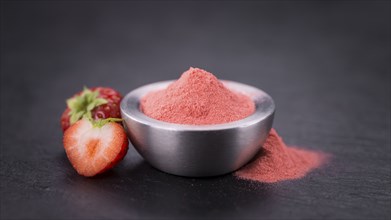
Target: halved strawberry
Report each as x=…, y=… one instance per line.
x=97, y=103
x=93, y=147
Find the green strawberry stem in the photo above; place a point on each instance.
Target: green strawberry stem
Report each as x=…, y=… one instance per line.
x=83, y=104
x=101, y=122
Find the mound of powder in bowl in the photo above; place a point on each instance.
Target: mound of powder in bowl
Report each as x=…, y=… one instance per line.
x=197, y=98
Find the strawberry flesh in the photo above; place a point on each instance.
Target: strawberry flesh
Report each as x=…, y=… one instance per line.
x=93, y=150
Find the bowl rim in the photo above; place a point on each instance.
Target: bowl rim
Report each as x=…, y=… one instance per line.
x=130, y=108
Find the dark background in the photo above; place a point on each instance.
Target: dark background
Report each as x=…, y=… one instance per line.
x=326, y=64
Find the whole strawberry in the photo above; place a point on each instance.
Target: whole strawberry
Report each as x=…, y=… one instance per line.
x=95, y=103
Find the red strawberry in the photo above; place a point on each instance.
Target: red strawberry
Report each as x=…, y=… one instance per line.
x=94, y=147
x=97, y=103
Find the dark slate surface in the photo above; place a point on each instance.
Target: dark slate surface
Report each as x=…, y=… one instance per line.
x=326, y=64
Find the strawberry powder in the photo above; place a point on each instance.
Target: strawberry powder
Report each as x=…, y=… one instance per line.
x=197, y=98
x=277, y=162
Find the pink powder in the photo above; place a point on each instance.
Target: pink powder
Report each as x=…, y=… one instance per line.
x=197, y=98
x=277, y=162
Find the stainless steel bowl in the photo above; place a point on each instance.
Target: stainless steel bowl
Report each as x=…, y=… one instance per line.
x=197, y=150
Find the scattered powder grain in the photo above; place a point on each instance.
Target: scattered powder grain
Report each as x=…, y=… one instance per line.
x=197, y=98
x=277, y=162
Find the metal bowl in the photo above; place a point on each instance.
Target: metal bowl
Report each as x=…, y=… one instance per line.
x=198, y=150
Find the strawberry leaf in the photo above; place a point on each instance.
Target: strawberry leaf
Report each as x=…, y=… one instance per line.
x=82, y=105
x=101, y=122
x=75, y=117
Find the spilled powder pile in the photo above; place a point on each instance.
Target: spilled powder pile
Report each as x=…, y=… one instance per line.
x=197, y=98
x=277, y=162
